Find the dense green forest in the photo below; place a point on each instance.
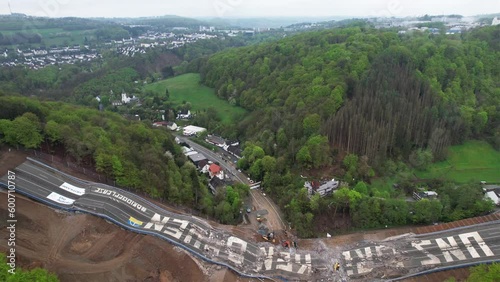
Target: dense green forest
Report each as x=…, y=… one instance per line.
x=371, y=92
x=37, y=274
x=135, y=155
x=353, y=103
x=368, y=103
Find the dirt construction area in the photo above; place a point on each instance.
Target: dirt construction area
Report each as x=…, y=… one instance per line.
x=80, y=247
x=85, y=248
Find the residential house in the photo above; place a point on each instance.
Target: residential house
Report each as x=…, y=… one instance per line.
x=187, y=154
x=235, y=151
x=172, y=126
x=160, y=124
x=215, y=171
x=322, y=188
x=202, y=165
x=126, y=99
x=215, y=184
x=425, y=195
x=184, y=114
x=185, y=149
x=196, y=158
x=191, y=130
x=216, y=140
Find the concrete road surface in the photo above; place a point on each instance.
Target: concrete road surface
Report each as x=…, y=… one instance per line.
x=365, y=262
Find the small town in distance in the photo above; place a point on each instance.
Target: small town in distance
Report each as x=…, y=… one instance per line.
x=231, y=141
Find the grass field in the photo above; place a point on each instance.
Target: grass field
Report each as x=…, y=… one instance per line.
x=187, y=88
x=474, y=160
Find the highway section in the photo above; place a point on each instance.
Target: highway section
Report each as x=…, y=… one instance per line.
x=404, y=255
x=57, y=189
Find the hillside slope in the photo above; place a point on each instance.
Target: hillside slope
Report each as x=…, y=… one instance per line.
x=448, y=85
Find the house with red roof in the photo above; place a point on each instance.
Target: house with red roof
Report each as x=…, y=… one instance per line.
x=215, y=171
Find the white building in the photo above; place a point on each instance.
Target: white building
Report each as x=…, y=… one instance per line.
x=184, y=115
x=495, y=21
x=494, y=197
x=172, y=126
x=191, y=130
x=322, y=188
x=125, y=98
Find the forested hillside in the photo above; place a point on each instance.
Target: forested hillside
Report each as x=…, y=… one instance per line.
x=360, y=104
x=135, y=155
x=371, y=92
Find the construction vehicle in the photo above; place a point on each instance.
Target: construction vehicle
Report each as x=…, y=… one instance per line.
x=289, y=244
x=269, y=237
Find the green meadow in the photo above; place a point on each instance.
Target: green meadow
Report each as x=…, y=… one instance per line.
x=473, y=160
x=187, y=88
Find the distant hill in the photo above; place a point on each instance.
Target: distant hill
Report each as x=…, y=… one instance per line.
x=43, y=31
x=167, y=21
x=266, y=22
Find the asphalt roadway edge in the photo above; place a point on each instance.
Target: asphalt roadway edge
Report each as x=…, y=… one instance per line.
x=140, y=231
x=92, y=183
x=456, y=228
x=126, y=227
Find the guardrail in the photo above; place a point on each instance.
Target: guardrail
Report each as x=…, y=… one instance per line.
x=140, y=231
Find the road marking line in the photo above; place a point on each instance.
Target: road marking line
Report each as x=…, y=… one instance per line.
x=197, y=244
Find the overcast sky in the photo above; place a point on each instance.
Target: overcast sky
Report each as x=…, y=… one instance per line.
x=247, y=8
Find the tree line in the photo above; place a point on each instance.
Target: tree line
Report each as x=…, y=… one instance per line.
x=371, y=92
x=367, y=102
x=134, y=154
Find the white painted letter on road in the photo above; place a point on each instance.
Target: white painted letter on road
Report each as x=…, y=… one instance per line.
x=451, y=247
x=432, y=258
x=157, y=221
x=72, y=189
x=465, y=239
x=241, y=247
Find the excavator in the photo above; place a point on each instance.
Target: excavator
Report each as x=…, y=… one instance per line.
x=269, y=237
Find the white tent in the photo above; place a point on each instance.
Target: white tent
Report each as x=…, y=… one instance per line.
x=493, y=196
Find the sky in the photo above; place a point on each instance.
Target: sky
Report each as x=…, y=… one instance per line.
x=248, y=8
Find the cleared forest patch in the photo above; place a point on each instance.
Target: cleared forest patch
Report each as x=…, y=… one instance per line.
x=473, y=160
